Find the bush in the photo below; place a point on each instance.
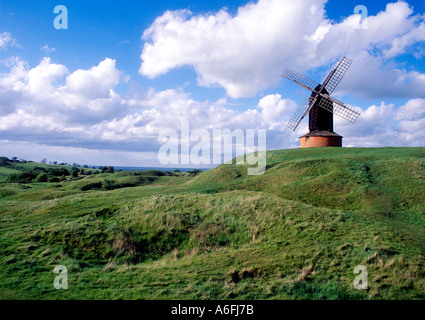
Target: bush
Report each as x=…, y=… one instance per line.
x=42, y=177
x=58, y=172
x=195, y=171
x=53, y=179
x=152, y=172
x=4, y=161
x=74, y=173
x=38, y=170
x=23, y=177
x=109, y=184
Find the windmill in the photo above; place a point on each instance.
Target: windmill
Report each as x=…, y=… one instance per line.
x=321, y=107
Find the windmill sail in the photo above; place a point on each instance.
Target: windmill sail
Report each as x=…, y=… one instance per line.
x=339, y=109
x=303, y=81
x=336, y=75
x=301, y=112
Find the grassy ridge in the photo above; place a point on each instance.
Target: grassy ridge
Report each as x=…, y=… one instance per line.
x=295, y=232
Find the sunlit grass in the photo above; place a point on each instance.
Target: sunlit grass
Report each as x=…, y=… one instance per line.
x=295, y=232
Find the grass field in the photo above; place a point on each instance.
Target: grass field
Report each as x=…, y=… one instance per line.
x=295, y=232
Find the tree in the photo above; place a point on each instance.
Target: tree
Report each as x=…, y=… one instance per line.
x=58, y=172
x=44, y=160
x=82, y=171
x=4, y=161
x=15, y=159
x=109, y=169
x=74, y=173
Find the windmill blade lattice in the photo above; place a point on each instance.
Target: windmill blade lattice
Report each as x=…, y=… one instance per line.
x=339, y=109
x=337, y=74
x=298, y=78
x=301, y=112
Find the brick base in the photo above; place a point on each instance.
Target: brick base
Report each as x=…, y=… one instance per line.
x=319, y=141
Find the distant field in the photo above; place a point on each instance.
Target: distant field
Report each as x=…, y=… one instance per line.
x=296, y=232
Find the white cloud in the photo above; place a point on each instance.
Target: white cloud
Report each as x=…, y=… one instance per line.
x=412, y=110
x=94, y=83
x=40, y=78
x=48, y=103
x=275, y=110
x=247, y=52
x=7, y=40
x=243, y=53
x=47, y=49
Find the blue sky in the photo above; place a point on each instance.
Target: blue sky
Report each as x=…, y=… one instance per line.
x=101, y=91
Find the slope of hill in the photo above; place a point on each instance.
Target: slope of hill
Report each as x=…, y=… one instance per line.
x=296, y=232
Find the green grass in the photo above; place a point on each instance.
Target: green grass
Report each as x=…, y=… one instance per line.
x=295, y=232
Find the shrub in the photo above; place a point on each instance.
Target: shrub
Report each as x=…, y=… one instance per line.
x=53, y=179
x=152, y=172
x=58, y=172
x=23, y=177
x=109, y=184
x=42, y=177
x=38, y=170
x=4, y=161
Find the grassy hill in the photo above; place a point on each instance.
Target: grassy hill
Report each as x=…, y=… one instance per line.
x=295, y=232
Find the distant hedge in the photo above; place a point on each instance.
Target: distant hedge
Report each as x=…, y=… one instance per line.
x=23, y=177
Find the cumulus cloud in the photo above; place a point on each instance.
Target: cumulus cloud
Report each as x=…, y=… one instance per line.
x=246, y=53
x=48, y=103
x=242, y=53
